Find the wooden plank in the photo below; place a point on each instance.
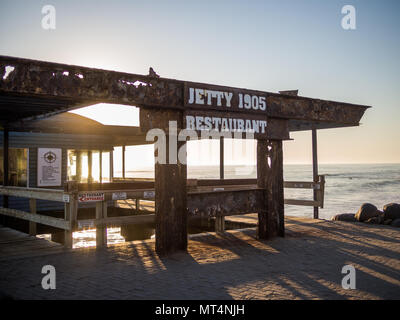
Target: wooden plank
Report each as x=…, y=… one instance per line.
x=298, y=202
x=35, y=193
x=49, y=221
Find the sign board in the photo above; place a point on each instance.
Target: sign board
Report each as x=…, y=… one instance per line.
x=205, y=96
x=91, y=197
x=119, y=196
x=49, y=166
x=66, y=197
x=149, y=194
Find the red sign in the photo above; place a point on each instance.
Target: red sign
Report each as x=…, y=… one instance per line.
x=91, y=197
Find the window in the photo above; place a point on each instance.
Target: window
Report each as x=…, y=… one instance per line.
x=17, y=167
x=87, y=166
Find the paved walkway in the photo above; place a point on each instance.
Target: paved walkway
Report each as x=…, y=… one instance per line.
x=306, y=264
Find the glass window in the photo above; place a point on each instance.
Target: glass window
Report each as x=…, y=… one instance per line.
x=17, y=167
x=84, y=166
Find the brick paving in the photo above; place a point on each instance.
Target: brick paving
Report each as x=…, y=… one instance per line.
x=306, y=264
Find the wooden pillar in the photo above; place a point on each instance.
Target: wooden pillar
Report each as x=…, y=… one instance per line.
x=221, y=158
x=111, y=165
x=70, y=211
x=220, y=224
x=315, y=168
x=101, y=166
x=270, y=177
x=170, y=194
x=78, y=166
x=32, y=225
x=5, y=164
x=123, y=162
x=90, y=164
x=101, y=231
x=137, y=205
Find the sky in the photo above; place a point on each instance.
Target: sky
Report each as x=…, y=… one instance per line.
x=261, y=45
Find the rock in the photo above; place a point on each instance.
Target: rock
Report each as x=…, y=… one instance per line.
x=367, y=211
x=349, y=217
x=387, y=222
x=395, y=223
x=375, y=220
x=392, y=211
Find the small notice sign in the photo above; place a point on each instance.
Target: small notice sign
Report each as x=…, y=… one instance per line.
x=149, y=194
x=119, y=195
x=91, y=197
x=66, y=198
x=49, y=167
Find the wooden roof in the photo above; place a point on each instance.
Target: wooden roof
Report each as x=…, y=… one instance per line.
x=32, y=90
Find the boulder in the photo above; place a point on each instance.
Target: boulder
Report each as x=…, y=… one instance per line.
x=392, y=211
x=349, y=217
x=395, y=223
x=387, y=222
x=375, y=220
x=367, y=211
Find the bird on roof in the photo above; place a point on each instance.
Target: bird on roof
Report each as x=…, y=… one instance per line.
x=152, y=73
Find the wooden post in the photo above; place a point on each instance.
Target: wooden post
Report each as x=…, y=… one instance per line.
x=270, y=177
x=111, y=165
x=101, y=166
x=123, y=162
x=32, y=225
x=221, y=158
x=90, y=164
x=220, y=224
x=101, y=231
x=315, y=168
x=70, y=211
x=170, y=197
x=137, y=202
x=5, y=164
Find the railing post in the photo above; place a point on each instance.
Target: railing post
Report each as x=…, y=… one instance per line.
x=70, y=211
x=219, y=224
x=101, y=230
x=32, y=225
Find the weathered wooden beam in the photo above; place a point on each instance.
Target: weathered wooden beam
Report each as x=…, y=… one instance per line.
x=224, y=203
x=35, y=193
x=221, y=158
x=298, y=202
x=270, y=178
x=67, y=86
x=5, y=164
x=38, y=218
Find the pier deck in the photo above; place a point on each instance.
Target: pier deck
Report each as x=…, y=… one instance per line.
x=306, y=264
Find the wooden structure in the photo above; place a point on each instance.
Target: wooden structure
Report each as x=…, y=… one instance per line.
x=32, y=90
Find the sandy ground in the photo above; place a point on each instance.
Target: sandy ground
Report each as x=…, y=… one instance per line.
x=306, y=264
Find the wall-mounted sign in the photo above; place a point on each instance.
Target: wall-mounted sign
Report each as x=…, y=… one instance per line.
x=91, y=197
x=149, y=194
x=119, y=195
x=49, y=167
